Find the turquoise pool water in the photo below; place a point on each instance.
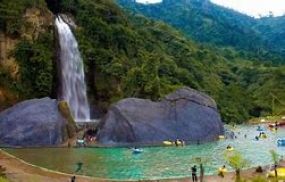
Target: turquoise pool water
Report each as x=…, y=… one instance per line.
x=154, y=162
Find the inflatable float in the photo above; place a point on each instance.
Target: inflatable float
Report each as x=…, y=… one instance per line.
x=263, y=136
x=280, y=142
x=137, y=150
x=229, y=149
x=220, y=137
x=175, y=143
x=167, y=143
x=259, y=128
x=222, y=171
x=280, y=173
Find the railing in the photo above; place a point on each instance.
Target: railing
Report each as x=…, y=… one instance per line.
x=87, y=123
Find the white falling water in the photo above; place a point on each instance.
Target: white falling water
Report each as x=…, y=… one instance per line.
x=72, y=73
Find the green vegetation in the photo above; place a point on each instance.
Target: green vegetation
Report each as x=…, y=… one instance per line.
x=11, y=14
x=138, y=57
x=128, y=55
x=2, y=174
x=236, y=161
x=209, y=23
x=248, y=73
x=30, y=76
x=259, y=179
x=201, y=162
x=35, y=61
x=3, y=180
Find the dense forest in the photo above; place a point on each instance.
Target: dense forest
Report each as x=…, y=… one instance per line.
x=129, y=55
x=207, y=22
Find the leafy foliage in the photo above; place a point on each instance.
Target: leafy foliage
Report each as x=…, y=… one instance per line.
x=11, y=14
x=35, y=61
x=2, y=172
x=248, y=75
x=236, y=161
x=274, y=156
x=128, y=55
x=259, y=179
x=207, y=22
x=142, y=58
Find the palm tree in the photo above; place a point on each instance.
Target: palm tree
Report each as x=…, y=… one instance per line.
x=236, y=161
x=274, y=156
x=201, y=161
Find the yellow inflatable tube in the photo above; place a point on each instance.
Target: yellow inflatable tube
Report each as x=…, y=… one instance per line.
x=280, y=173
x=178, y=143
x=167, y=143
x=263, y=136
x=230, y=149
x=222, y=170
x=220, y=137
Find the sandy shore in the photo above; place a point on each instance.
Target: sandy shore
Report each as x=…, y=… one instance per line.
x=18, y=170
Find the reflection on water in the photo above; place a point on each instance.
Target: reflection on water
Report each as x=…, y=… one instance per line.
x=154, y=162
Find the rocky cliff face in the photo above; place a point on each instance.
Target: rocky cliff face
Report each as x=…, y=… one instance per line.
x=185, y=114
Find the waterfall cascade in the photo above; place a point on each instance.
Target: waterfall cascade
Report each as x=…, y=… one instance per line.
x=72, y=73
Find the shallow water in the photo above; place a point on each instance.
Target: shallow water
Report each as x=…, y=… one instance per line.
x=154, y=162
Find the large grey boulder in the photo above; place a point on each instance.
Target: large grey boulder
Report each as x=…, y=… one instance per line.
x=36, y=122
x=185, y=114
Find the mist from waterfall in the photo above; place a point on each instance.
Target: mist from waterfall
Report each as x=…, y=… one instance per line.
x=72, y=73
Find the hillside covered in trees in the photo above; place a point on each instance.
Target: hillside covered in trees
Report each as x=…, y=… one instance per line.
x=206, y=22
x=128, y=55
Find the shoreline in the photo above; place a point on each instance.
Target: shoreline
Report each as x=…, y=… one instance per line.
x=17, y=170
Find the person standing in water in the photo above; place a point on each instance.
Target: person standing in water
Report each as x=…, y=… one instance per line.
x=194, y=173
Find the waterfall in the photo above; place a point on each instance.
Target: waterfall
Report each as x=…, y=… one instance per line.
x=72, y=73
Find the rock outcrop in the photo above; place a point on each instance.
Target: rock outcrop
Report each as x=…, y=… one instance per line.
x=185, y=114
x=65, y=112
x=36, y=122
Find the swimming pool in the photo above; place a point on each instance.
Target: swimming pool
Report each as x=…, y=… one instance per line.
x=154, y=162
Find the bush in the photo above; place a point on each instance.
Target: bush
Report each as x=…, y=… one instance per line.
x=258, y=179
x=2, y=173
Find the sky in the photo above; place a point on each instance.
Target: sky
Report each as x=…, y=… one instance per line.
x=250, y=7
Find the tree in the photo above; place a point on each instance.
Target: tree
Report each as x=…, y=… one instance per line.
x=236, y=161
x=274, y=156
x=201, y=161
